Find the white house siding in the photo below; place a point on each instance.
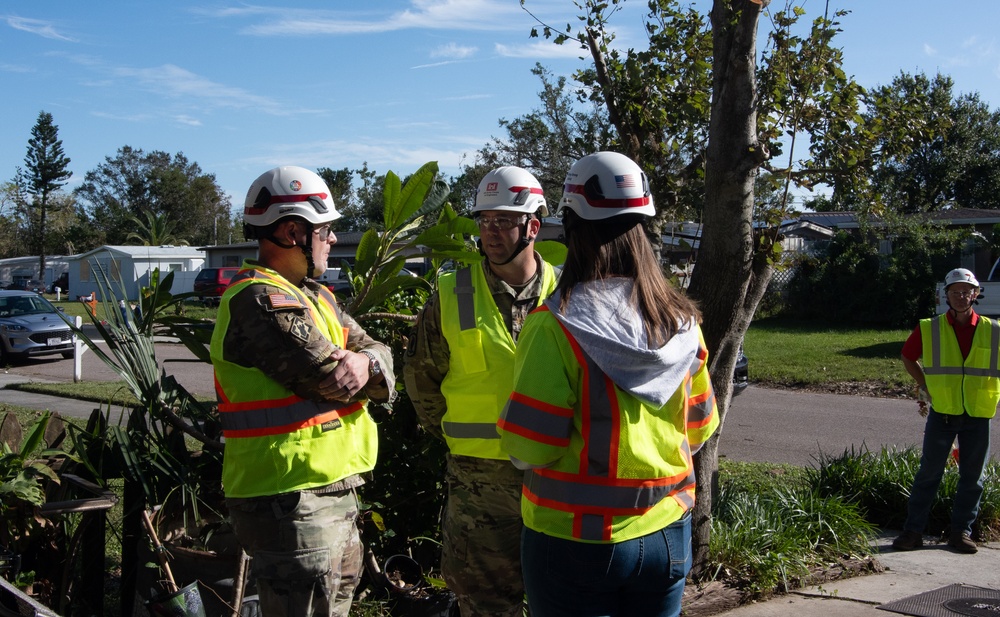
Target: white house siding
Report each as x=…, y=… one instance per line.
x=133, y=266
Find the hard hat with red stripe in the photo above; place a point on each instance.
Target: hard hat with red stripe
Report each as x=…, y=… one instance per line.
x=511, y=189
x=288, y=191
x=960, y=275
x=606, y=184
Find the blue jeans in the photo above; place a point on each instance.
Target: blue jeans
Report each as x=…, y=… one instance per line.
x=974, y=447
x=634, y=578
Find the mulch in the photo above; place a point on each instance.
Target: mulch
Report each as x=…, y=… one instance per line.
x=719, y=596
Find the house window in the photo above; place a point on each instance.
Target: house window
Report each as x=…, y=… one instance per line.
x=84, y=271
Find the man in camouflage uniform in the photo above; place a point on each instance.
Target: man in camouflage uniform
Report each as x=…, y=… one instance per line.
x=459, y=374
x=293, y=376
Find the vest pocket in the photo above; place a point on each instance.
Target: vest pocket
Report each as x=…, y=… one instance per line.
x=468, y=354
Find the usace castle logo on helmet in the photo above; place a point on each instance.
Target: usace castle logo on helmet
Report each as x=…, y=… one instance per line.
x=295, y=185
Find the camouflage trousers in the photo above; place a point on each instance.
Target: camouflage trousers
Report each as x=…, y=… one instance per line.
x=481, y=556
x=306, y=551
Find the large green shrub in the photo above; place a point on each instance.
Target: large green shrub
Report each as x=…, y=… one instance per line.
x=852, y=280
x=878, y=484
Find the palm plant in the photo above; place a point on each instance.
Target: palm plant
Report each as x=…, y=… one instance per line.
x=156, y=230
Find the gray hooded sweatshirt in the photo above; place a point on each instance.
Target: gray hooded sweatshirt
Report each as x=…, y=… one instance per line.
x=610, y=331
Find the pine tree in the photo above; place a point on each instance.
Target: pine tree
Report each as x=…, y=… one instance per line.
x=45, y=172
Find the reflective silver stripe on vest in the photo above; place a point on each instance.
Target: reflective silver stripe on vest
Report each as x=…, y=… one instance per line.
x=602, y=418
x=471, y=430
x=550, y=425
x=702, y=411
x=935, y=368
x=273, y=417
x=592, y=527
x=622, y=499
x=466, y=293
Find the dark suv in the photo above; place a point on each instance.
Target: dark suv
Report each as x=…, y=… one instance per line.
x=212, y=282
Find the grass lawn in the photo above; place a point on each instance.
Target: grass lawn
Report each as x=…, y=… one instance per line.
x=792, y=353
x=73, y=308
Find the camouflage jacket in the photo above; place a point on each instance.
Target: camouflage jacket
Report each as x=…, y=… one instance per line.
x=287, y=346
x=427, y=354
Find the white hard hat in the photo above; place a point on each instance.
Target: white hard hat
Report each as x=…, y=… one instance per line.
x=511, y=189
x=288, y=191
x=606, y=184
x=960, y=275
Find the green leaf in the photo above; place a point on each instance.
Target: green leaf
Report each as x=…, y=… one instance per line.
x=390, y=198
x=552, y=251
x=367, y=252
x=413, y=194
x=35, y=435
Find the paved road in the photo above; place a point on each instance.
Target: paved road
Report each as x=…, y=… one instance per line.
x=791, y=426
x=195, y=376
x=777, y=426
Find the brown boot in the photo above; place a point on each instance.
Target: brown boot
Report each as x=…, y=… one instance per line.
x=908, y=540
x=961, y=542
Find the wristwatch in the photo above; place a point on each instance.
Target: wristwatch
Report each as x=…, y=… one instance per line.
x=374, y=368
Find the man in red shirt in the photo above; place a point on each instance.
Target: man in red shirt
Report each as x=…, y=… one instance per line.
x=952, y=395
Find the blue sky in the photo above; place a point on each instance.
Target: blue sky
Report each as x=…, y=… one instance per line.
x=242, y=87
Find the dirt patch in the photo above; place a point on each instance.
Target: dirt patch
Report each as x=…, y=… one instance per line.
x=872, y=389
x=705, y=600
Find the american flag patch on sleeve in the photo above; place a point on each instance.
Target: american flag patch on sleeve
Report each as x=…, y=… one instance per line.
x=279, y=300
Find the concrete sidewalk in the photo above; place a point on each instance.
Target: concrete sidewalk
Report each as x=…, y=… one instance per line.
x=907, y=574
x=66, y=407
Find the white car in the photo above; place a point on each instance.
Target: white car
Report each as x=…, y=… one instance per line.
x=31, y=326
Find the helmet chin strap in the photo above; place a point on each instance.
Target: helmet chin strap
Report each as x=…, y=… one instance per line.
x=524, y=243
x=306, y=249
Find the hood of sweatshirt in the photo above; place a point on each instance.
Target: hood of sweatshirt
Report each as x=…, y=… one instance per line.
x=611, y=332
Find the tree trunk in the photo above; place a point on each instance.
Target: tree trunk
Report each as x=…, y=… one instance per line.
x=729, y=279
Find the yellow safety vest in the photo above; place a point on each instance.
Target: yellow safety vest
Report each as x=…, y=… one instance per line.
x=622, y=469
x=481, y=367
x=961, y=385
x=277, y=441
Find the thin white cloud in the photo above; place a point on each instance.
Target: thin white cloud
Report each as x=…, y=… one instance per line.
x=435, y=64
x=122, y=117
x=468, y=97
x=421, y=14
x=175, y=82
x=454, y=50
x=43, y=29
x=540, y=49
x=15, y=68
x=187, y=120
x=929, y=50
x=402, y=158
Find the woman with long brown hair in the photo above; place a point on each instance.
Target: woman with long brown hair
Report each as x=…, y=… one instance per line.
x=611, y=398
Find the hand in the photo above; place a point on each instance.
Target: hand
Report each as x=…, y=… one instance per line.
x=348, y=378
x=923, y=401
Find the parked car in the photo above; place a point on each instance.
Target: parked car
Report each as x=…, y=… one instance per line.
x=741, y=374
x=335, y=279
x=31, y=285
x=31, y=326
x=211, y=283
x=62, y=283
